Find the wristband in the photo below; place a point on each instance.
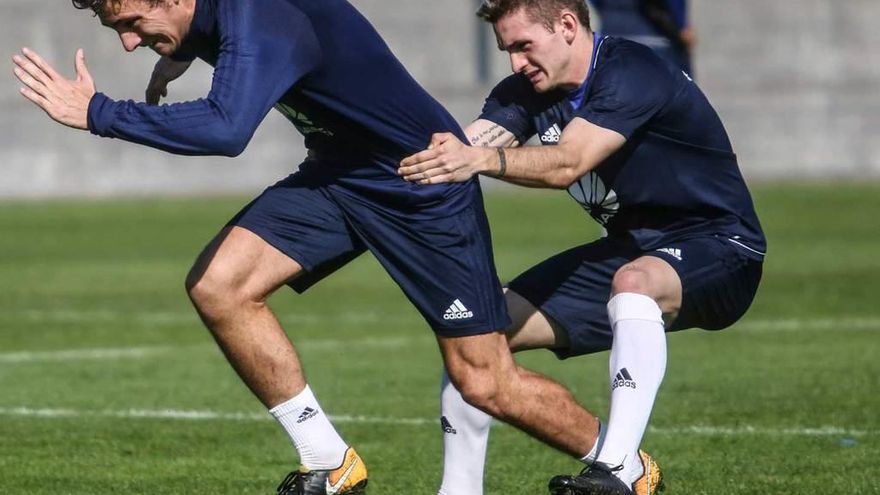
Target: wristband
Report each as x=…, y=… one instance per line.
x=502, y=158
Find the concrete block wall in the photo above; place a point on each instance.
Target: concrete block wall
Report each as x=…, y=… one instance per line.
x=796, y=82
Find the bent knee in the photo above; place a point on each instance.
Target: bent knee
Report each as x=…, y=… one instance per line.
x=483, y=390
x=630, y=279
x=213, y=289
x=482, y=394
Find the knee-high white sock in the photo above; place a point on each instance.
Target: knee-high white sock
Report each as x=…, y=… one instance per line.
x=465, y=438
x=318, y=443
x=636, y=368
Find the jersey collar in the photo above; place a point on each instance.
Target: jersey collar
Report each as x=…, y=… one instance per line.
x=576, y=96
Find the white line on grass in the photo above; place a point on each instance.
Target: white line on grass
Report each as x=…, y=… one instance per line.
x=820, y=431
x=798, y=324
x=183, y=415
x=176, y=414
x=148, y=351
x=185, y=317
x=355, y=317
x=758, y=326
x=80, y=354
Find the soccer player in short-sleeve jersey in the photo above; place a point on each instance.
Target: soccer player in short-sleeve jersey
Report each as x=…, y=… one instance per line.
x=322, y=65
x=640, y=148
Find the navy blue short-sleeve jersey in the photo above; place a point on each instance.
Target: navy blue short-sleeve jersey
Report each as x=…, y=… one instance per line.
x=322, y=65
x=675, y=177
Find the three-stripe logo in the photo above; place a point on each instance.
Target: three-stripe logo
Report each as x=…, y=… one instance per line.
x=457, y=311
x=552, y=134
x=623, y=379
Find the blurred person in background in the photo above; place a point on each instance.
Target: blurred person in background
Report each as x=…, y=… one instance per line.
x=328, y=71
x=641, y=149
x=662, y=25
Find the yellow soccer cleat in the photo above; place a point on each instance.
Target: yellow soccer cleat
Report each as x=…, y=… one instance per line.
x=350, y=478
x=651, y=481
x=599, y=479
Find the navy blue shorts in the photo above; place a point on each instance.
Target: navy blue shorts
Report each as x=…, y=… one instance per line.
x=719, y=280
x=443, y=263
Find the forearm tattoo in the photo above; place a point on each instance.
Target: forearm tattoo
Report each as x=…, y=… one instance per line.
x=490, y=136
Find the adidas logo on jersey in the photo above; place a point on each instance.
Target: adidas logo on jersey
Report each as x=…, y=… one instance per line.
x=623, y=379
x=457, y=311
x=552, y=135
x=675, y=253
x=308, y=413
x=447, y=427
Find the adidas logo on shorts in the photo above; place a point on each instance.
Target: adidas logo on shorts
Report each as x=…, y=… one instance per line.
x=457, y=311
x=674, y=252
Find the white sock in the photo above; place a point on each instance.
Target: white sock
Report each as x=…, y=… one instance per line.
x=318, y=443
x=636, y=368
x=465, y=438
x=597, y=447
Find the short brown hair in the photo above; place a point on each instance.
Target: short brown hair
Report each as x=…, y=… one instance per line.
x=105, y=6
x=543, y=11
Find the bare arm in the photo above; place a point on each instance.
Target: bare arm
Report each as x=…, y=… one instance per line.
x=483, y=132
x=582, y=147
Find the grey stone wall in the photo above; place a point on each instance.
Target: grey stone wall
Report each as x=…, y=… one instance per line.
x=797, y=83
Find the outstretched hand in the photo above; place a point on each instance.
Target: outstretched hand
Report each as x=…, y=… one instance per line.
x=66, y=101
x=165, y=71
x=447, y=159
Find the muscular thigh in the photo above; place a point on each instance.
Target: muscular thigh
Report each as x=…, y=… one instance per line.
x=237, y=259
x=571, y=290
x=531, y=329
x=301, y=228
x=475, y=360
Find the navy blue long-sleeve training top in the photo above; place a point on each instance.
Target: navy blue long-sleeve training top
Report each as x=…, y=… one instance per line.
x=322, y=65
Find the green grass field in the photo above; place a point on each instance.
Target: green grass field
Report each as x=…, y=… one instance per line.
x=109, y=384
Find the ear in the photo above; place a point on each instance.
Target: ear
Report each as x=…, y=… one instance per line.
x=570, y=26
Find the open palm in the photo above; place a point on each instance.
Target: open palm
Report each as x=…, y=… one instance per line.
x=66, y=101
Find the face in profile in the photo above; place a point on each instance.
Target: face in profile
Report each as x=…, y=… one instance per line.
x=160, y=25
